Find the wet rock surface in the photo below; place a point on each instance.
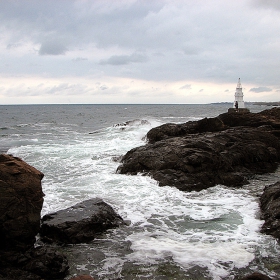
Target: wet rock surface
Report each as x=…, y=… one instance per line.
x=35, y=263
x=224, y=121
x=21, y=200
x=79, y=223
x=270, y=206
x=256, y=276
x=198, y=155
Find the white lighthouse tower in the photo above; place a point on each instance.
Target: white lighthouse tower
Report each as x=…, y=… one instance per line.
x=238, y=104
x=238, y=101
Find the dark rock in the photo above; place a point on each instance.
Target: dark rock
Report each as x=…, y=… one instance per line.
x=267, y=117
x=173, y=130
x=35, y=263
x=256, y=276
x=21, y=200
x=198, y=155
x=222, y=122
x=79, y=223
x=136, y=122
x=270, y=206
x=12, y=273
x=46, y=262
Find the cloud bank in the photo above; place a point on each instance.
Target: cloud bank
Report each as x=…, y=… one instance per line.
x=182, y=46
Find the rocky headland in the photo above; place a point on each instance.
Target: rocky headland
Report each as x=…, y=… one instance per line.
x=228, y=150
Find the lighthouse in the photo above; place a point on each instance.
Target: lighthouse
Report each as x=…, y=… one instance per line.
x=238, y=101
x=238, y=104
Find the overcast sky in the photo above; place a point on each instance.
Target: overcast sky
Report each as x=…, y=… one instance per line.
x=132, y=51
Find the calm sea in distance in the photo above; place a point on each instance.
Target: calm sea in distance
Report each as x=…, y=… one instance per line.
x=212, y=234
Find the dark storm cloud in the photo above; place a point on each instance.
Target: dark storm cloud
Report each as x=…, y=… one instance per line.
x=260, y=89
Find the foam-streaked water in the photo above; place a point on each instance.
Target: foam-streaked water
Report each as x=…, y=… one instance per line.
x=212, y=234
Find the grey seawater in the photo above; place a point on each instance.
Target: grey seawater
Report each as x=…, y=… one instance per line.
x=212, y=234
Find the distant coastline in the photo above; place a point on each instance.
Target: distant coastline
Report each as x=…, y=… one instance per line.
x=266, y=103
x=276, y=103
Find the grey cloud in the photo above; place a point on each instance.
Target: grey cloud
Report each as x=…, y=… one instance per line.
x=186, y=87
x=13, y=46
x=103, y=87
x=274, y=4
x=52, y=48
x=191, y=49
x=178, y=40
x=260, y=89
x=124, y=59
x=77, y=59
x=66, y=89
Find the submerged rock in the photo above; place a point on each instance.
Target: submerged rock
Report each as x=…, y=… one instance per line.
x=270, y=206
x=136, y=122
x=21, y=200
x=198, y=155
x=79, y=223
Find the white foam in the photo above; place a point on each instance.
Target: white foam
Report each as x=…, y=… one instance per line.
x=186, y=254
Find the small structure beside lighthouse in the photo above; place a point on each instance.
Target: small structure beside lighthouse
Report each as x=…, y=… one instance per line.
x=238, y=104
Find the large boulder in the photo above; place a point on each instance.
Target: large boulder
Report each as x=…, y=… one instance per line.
x=79, y=223
x=198, y=155
x=270, y=206
x=21, y=200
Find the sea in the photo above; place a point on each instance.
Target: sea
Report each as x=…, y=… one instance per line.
x=211, y=234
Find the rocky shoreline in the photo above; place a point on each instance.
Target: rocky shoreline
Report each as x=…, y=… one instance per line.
x=21, y=200
x=228, y=150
